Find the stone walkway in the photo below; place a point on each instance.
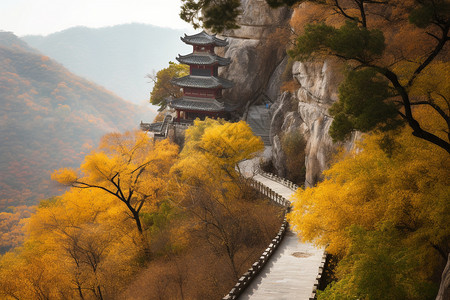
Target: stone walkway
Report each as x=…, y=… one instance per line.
x=259, y=120
x=292, y=270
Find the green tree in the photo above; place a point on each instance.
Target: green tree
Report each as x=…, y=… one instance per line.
x=214, y=15
x=378, y=266
x=163, y=88
x=377, y=93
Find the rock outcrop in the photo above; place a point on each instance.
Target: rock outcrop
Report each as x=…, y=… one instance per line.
x=306, y=111
x=444, y=289
x=255, y=53
x=258, y=62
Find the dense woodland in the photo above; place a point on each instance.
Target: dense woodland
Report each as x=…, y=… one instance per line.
x=49, y=118
x=382, y=210
x=144, y=221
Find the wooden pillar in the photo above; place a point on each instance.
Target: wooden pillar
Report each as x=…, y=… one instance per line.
x=178, y=115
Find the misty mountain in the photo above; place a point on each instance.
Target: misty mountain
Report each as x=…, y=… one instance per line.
x=49, y=119
x=117, y=57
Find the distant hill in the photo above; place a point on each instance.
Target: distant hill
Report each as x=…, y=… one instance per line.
x=49, y=118
x=117, y=57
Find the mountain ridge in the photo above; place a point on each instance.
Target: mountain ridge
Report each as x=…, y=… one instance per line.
x=116, y=57
x=49, y=118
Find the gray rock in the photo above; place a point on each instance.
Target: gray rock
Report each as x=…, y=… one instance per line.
x=444, y=289
x=255, y=57
x=319, y=83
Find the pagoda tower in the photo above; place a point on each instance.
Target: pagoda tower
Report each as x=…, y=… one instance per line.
x=202, y=88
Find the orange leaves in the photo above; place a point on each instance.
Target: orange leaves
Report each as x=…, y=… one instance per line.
x=392, y=179
x=212, y=150
x=65, y=176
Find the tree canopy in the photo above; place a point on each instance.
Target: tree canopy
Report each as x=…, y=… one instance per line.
x=399, y=41
x=163, y=87
x=141, y=221
x=389, y=47
x=214, y=15
x=211, y=188
x=130, y=167
x=382, y=210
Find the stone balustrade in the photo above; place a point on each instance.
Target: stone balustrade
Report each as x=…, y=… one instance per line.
x=251, y=273
x=281, y=180
x=272, y=195
x=319, y=276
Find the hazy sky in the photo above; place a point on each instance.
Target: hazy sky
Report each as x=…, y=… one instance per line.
x=47, y=16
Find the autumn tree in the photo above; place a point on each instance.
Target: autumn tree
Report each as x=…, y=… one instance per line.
x=388, y=54
x=209, y=186
x=80, y=245
x=130, y=167
x=382, y=210
x=163, y=88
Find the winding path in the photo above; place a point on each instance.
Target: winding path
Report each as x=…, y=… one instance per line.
x=292, y=270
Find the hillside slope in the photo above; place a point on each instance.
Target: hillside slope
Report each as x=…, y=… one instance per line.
x=117, y=57
x=49, y=118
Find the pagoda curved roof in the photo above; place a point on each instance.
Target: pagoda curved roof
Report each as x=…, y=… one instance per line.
x=195, y=104
x=207, y=82
x=203, y=59
x=203, y=38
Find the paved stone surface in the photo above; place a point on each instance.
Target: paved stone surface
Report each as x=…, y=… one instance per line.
x=275, y=186
x=289, y=274
x=259, y=121
x=292, y=269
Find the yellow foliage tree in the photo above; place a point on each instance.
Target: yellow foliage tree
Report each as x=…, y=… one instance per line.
x=208, y=183
x=80, y=245
x=393, y=184
x=130, y=167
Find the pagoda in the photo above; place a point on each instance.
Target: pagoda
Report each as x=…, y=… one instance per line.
x=202, y=88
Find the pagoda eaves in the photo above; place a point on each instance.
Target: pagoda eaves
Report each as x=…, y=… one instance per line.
x=203, y=59
x=192, y=104
x=203, y=38
x=210, y=82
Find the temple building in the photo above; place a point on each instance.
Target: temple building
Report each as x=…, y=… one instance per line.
x=202, y=88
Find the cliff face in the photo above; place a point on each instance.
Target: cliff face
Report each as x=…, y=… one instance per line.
x=306, y=111
x=259, y=60
x=255, y=53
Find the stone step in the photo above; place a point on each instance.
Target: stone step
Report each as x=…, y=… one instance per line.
x=259, y=120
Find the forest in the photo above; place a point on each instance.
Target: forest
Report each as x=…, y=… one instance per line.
x=142, y=220
x=382, y=210
x=49, y=118
x=145, y=219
